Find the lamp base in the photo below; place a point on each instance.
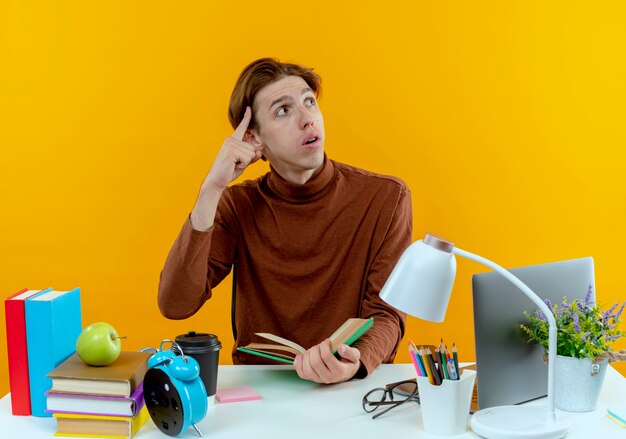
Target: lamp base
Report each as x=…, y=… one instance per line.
x=517, y=422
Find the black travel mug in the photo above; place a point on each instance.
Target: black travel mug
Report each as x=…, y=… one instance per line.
x=205, y=349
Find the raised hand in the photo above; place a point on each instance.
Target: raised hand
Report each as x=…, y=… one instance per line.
x=238, y=151
x=235, y=155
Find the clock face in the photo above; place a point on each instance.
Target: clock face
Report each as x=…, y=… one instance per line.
x=163, y=402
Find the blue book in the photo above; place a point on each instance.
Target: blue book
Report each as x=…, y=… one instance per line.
x=53, y=323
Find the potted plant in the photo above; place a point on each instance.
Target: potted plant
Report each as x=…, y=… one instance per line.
x=585, y=334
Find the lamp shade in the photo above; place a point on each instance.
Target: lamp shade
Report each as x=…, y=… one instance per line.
x=421, y=282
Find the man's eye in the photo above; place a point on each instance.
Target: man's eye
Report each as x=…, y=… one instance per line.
x=281, y=111
x=310, y=101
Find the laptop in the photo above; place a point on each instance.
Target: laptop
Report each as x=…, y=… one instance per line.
x=510, y=370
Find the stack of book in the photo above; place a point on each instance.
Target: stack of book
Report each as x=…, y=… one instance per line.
x=106, y=401
x=42, y=328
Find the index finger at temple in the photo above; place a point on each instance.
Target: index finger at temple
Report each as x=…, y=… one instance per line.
x=243, y=125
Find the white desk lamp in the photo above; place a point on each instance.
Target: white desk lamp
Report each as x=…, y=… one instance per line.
x=420, y=285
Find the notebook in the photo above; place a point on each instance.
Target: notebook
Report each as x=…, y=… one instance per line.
x=510, y=370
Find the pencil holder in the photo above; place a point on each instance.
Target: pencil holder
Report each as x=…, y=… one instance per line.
x=445, y=408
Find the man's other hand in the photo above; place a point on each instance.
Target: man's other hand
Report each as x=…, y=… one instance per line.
x=318, y=364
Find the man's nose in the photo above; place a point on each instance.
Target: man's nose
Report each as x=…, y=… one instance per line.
x=306, y=118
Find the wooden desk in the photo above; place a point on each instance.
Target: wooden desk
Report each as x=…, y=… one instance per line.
x=291, y=407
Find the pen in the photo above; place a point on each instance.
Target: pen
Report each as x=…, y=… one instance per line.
x=453, y=371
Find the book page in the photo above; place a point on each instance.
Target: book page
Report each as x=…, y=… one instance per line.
x=50, y=295
x=345, y=331
x=282, y=341
x=271, y=349
x=24, y=295
x=91, y=387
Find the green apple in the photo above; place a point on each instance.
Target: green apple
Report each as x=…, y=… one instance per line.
x=99, y=344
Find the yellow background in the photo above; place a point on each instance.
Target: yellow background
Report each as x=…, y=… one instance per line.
x=506, y=119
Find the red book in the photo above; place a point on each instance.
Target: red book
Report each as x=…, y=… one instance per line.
x=17, y=350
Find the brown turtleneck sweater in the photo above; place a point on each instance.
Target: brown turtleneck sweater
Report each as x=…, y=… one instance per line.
x=308, y=257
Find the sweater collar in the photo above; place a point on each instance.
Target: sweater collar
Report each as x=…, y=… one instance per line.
x=312, y=190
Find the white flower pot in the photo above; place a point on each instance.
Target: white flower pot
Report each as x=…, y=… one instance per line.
x=578, y=383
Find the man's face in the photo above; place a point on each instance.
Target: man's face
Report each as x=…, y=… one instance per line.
x=290, y=126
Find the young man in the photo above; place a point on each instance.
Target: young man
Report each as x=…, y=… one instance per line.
x=313, y=240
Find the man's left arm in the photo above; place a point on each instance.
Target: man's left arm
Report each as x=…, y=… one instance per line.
x=380, y=343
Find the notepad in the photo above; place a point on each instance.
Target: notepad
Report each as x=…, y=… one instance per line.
x=236, y=394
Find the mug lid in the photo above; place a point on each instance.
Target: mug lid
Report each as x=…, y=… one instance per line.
x=197, y=341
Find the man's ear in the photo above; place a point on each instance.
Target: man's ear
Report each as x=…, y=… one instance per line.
x=252, y=138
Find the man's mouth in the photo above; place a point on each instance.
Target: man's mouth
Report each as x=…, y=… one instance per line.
x=311, y=140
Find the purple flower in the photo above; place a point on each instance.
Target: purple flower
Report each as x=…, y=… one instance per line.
x=587, y=300
x=540, y=315
x=619, y=313
x=576, y=323
x=607, y=314
x=585, y=336
x=612, y=337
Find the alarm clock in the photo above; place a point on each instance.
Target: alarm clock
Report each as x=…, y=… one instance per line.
x=174, y=392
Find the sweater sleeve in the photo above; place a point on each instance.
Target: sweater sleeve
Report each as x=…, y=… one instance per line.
x=380, y=343
x=197, y=262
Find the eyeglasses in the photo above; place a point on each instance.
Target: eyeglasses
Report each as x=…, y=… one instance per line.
x=376, y=398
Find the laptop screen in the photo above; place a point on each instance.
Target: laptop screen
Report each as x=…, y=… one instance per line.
x=510, y=370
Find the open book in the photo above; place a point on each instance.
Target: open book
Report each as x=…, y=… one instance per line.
x=286, y=350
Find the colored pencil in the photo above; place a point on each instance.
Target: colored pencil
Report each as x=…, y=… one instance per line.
x=439, y=364
x=431, y=361
x=420, y=363
x=414, y=359
x=455, y=356
x=429, y=372
x=444, y=363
